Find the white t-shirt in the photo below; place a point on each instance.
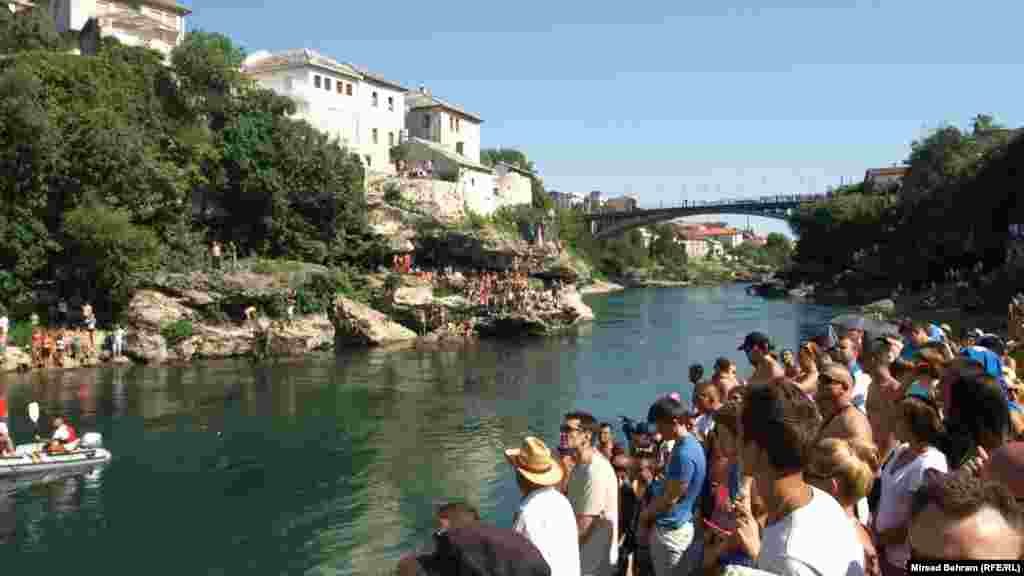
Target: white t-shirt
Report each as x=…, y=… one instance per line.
x=119, y=335
x=594, y=491
x=816, y=540
x=898, y=487
x=705, y=424
x=4, y=323
x=546, y=519
x=861, y=384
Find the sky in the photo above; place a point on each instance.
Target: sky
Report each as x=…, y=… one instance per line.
x=699, y=99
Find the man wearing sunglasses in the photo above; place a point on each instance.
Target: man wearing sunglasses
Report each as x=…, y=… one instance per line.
x=835, y=401
x=593, y=491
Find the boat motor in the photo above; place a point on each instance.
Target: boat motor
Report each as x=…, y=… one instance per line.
x=91, y=440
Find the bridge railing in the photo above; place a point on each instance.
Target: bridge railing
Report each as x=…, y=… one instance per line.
x=745, y=202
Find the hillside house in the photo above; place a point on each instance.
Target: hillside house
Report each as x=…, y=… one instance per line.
x=362, y=110
x=156, y=24
x=443, y=123
x=514, y=185
x=882, y=180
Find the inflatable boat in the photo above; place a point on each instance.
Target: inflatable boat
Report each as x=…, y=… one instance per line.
x=30, y=459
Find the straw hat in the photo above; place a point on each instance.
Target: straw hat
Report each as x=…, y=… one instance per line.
x=534, y=461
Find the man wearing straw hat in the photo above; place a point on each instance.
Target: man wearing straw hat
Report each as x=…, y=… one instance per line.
x=545, y=516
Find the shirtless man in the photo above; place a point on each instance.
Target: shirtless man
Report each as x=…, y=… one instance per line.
x=884, y=395
x=835, y=400
x=766, y=369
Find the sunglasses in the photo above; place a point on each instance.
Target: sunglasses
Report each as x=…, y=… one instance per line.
x=566, y=429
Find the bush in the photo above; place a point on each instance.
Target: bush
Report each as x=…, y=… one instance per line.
x=392, y=193
x=392, y=282
x=475, y=220
x=177, y=331
x=20, y=334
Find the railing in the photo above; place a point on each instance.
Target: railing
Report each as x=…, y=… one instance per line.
x=747, y=202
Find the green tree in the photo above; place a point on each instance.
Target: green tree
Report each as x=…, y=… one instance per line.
x=207, y=65
x=492, y=156
x=664, y=247
x=28, y=30
x=109, y=248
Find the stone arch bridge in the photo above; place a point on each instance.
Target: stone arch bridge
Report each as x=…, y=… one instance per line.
x=609, y=223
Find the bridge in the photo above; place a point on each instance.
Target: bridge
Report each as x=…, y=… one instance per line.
x=608, y=223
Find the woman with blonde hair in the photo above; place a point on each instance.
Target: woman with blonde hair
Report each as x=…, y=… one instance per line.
x=807, y=360
x=846, y=470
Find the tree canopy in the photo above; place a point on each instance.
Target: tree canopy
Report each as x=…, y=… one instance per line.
x=168, y=158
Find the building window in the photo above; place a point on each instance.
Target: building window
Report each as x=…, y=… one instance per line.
x=375, y=100
x=289, y=84
x=316, y=80
x=391, y=138
x=369, y=160
x=327, y=84
x=373, y=135
x=458, y=124
x=451, y=123
x=391, y=103
x=340, y=86
x=458, y=147
x=426, y=122
x=348, y=89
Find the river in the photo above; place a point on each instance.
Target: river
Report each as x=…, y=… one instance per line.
x=333, y=464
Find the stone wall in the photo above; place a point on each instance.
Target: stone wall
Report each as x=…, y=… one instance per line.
x=446, y=201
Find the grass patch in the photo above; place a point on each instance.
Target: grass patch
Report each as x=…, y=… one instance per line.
x=276, y=267
x=20, y=334
x=177, y=331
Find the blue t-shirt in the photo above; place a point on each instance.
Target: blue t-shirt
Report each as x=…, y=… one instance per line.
x=688, y=465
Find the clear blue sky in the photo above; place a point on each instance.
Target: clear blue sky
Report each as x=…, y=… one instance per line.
x=703, y=98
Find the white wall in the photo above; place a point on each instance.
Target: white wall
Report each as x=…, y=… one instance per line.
x=336, y=115
x=389, y=122
x=513, y=188
x=444, y=132
x=479, y=191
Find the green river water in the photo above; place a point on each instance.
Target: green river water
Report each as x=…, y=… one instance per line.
x=333, y=464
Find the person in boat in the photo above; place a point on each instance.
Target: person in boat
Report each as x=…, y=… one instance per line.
x=64, y=434
x=6, y=444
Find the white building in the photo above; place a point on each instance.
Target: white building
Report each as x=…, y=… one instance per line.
x=566, y=200
x=433, y=119
x=157, y=24
x=364, y=111
x=384, y=117
x=514, y=185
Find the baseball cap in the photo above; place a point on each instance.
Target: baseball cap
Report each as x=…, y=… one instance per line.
x=992, y=342
x=755, y=339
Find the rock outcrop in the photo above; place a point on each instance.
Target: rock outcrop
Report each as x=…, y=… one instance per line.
x=571, y=311
x=213, y=306
x=358, y=324
x=14, y=359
